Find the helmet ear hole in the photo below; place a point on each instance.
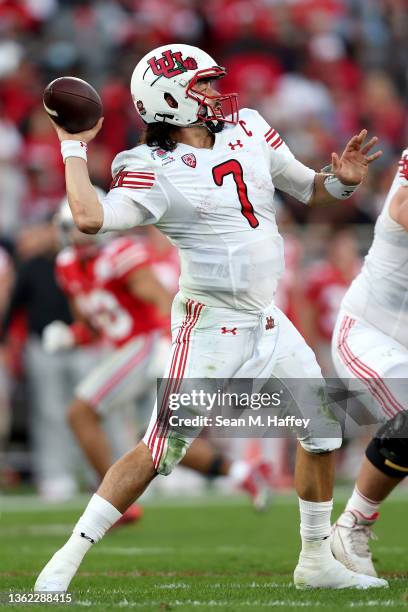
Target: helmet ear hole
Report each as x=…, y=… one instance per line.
x=170, y=100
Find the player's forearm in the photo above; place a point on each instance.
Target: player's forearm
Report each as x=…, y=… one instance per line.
x=321, y=195
x=158, y=297
x=82, y=197
x=144, y=285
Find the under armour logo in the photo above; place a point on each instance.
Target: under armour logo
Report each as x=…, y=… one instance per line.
x=236, y=144
x=270, y=323
x=233, y=331
x=87, y=538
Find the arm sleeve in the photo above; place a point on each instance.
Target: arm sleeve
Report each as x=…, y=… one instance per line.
x=297, y=180
x=136, y=196
x=288, y=174
x=120, y=212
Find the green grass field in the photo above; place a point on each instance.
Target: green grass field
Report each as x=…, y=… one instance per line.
x=193, y=554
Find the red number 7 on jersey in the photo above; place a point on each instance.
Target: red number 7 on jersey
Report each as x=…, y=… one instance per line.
x=234, y=167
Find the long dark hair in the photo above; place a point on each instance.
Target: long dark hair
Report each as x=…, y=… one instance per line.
x=159, y=135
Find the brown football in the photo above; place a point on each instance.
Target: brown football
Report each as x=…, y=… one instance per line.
x=72, y=103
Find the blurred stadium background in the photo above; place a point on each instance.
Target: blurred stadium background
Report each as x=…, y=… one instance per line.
x=318, y=70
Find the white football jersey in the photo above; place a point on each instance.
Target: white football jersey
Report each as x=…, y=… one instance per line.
x=216, y=206
x=379, y=294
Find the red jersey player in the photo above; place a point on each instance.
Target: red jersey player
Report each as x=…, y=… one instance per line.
x=326, y=283
x=117, y=298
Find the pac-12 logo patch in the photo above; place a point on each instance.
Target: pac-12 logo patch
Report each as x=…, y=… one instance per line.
x=189, y=159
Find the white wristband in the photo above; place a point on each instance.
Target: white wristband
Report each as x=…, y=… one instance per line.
x=73, y=148
x=337, y=189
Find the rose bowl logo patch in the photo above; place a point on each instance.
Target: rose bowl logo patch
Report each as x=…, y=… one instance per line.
x=160, y=152
x=189, y=159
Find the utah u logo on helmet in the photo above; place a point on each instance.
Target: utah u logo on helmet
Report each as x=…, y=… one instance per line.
x=171, y=64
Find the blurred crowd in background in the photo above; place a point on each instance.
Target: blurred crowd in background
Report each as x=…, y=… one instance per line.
x=317, y=70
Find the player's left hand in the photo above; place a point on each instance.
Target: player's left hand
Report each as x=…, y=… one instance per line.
x=352, y=167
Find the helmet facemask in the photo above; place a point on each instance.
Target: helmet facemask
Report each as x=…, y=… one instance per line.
x=213, y=111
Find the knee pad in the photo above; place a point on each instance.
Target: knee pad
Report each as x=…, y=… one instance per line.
x=216, y=467
x=387, y=451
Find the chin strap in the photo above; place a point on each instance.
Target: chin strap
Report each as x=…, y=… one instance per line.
x=212, y=126
x=215, y=126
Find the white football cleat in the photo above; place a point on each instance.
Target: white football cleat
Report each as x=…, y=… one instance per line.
x=56, y=575
x=350, y=542
x=325, y=572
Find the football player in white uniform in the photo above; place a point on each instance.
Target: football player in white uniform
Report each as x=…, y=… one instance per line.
x=206, y=176
x=370, y=347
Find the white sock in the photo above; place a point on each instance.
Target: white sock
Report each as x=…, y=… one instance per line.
x=74, y=550
x=315, y=526
x=239, y=470
x=364, y=508
x=99, y=516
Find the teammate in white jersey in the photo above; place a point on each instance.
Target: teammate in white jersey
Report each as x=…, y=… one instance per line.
x=206, y=177
x=370, y=345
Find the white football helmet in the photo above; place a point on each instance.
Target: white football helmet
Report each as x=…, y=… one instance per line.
x=163, y=89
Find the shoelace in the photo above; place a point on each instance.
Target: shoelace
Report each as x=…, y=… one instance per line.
x=360, y=535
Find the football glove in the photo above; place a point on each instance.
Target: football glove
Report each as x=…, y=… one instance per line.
x=57, y=336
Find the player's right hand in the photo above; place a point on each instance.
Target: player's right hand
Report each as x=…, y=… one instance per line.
x=85, y=136
x=57, y=336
